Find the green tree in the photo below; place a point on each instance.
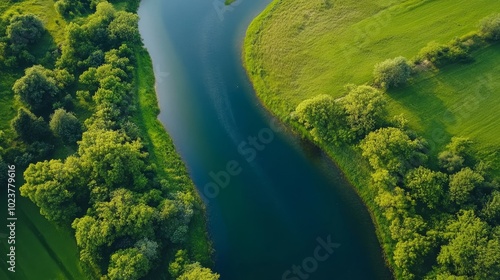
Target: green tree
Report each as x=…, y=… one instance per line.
x=124, y=27
x=24, y=30
x=128, y=264
x=490, y=27
x=37, y=89
x=463, y=183
x=452, y=158
x=364, y=106
x=426, y=186
x=392, y=72
x=491, y=210
x=391, y=149
x=55, y=187
x=66, y=126
x=30, y=128
x=325, y=118
x=196, y=272
x=470, y=251
x=113, y=161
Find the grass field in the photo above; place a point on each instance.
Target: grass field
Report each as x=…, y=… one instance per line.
x=299, y=49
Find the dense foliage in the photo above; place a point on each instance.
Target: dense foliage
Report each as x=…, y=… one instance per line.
x=392, y=72
x=128, y=215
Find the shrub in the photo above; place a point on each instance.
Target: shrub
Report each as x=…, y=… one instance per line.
x=66, y=126
x=439, y=54
x=490, y=27
x=30, y=128
x=24, y=30
x=325, y=119
x=392, y=72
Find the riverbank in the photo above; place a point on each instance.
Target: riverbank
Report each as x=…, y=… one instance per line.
x=297, y=50
x=164, y=155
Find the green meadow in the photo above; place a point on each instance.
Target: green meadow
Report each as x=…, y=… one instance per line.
x=296, y=50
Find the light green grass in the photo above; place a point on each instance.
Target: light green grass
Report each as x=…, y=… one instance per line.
x=299, y=49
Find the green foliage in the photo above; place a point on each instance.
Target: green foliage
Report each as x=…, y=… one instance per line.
x=128, y=264
x=470, y=251
x=124, y=27
x=491, y=210
x=364, y=106
x=55, y=187
x=463, y=183
x=24, y=30
x=38, y=89
x=452, y=158
x=490, y=27
x=439, y=54
x=112, y=160
x=392, y=149
x=196, y=272
x=325, y=119
x=29, y=128
x=427, y=186
x=65, y=126
x=392, y=72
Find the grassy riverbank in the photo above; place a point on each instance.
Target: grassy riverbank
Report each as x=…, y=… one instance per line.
x=48, y=251
x=296, y=50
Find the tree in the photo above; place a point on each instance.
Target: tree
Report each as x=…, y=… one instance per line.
x=463, y=183
x=453, y=157
x=395, y=203
x=490, y=27
x=24, y=30
x=391, y=149
x=65, y=126
x=364, y=106
x=55, y=187
x=37, y=89
x=124, y=27
x=491, y=210
x=325, y=119
x=128, y=264
x=113, y=161
x=392, y=72
x=175, y=215
x=30, y=128
x=196, y=272
x=468, y=241
x=426, y=186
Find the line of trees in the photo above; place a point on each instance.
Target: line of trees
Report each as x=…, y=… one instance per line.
x=126, y=217
x=442, y=213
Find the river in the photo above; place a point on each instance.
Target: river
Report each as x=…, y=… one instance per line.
x=277, y=207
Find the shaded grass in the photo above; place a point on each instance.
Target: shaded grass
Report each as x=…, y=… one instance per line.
x=296, y=50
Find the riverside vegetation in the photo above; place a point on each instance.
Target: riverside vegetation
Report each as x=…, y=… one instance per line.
x=79, y=114
x=424, y=162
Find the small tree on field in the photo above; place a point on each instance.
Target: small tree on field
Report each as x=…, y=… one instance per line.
x=364, y=106
x=490, y=27
x=392, y=72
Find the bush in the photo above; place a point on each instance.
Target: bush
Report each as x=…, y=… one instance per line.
x=30, y=128
x=490, y=27
x=24, y=30
x=438, y=54
x=392, y=72
x=325, y=119
x=66, y=126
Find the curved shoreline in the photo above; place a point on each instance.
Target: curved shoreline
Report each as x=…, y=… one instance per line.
x=337, y=158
